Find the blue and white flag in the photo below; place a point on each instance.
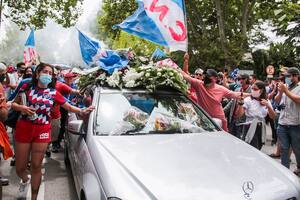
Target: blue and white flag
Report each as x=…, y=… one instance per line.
x=160, y=21
x=92, y=53
x=158, y=54
x=29, y=50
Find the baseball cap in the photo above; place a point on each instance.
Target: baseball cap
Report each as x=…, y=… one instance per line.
x=244, y=76
x=292, y=71
x=69, y=75
x=211, y=72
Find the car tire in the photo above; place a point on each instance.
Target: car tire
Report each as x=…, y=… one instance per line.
x=82, y=196
x=66, y=156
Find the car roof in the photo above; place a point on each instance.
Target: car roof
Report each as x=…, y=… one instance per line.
x=109, y=90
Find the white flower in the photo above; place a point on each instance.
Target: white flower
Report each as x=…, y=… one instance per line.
x=158, y=74
x=171, y=74
x=130, y=84
x=132, y=75
x=147, y=74
x=114, y=79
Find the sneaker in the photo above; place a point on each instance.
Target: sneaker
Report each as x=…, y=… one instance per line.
x=23, y=188
x=13, y=161
x=3, y=181
x=54, y=149
x=48, y=153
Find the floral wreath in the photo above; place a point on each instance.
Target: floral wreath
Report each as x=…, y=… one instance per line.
x=140, y=72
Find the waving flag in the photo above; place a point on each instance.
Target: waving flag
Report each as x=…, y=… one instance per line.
x=160, y=21
x=92, y=53
x=30, y=51
x=158, y=54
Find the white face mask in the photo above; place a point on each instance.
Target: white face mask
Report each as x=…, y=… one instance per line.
x=255, y=94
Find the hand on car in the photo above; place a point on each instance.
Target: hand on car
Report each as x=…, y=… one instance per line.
x=88, y=110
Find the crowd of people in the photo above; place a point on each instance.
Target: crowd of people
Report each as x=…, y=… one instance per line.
x=35, y=101
x=245, y=105
x=39, y=98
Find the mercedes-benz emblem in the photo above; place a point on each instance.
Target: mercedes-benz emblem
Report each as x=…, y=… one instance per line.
x=248, y=188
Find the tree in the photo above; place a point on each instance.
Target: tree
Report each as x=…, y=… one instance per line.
x=218, y=30
x=34, y=13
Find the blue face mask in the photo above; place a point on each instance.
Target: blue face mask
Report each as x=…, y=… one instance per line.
x=288, y=81
x=45, y=79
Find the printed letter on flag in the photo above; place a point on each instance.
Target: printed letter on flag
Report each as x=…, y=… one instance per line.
x=160, y=21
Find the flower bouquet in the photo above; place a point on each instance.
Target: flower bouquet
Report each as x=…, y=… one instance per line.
x=136, y=117
x=165, y=123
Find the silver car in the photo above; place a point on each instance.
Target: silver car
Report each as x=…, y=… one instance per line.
x=138, y=145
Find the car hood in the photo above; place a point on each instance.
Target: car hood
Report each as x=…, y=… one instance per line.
x=199, y=166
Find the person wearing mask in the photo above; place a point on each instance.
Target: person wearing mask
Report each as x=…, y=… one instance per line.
x=59, y=114
x=289, y=120
x=210, y=94
x=233, y=118
x=20, y=71
x=33, y=129
x=252, y=79
x=256, y=108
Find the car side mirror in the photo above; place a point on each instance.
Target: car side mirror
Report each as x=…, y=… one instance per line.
x=75, y=127
x=218, y=122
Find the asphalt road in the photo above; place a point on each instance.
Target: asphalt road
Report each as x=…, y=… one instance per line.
x=58, y=183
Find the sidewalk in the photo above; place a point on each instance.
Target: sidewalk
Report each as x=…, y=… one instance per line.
x=268, y=149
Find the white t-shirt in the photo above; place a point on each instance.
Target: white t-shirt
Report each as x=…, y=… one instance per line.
x=253, y=109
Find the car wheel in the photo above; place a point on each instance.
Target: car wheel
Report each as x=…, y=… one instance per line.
x=66, y=156
x=82, y=196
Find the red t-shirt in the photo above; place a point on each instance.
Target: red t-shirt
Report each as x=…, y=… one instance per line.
x=64, y=90
x=210, y=99
x=42, y=100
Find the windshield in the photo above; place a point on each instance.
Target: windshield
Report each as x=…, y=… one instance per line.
x=139, y=113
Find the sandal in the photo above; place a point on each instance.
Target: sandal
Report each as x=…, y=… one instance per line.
x=273, y=155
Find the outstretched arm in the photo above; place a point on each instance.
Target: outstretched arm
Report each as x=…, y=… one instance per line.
x=186, y=63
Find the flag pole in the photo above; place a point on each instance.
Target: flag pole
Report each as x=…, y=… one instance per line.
x=185, y=19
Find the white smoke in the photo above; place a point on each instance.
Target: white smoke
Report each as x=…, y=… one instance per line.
x=54, y=43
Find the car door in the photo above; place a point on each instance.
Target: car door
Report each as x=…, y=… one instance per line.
x=85, y=175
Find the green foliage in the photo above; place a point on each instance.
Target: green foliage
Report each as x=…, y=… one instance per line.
x=242, y=28
x=140, y=46
x=34, y=13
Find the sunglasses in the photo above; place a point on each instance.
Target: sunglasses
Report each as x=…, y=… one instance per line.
x=198, y=74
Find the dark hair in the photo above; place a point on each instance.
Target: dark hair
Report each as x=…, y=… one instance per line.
x=27, y=68
x=262, y=86
x=254, y=76
x=20, y=64
x=39, y=68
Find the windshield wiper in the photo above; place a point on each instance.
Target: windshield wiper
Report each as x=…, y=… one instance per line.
x=134, y=131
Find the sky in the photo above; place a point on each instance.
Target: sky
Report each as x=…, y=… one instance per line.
x=56, y=44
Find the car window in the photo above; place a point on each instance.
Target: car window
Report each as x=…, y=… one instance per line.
x=138, y=113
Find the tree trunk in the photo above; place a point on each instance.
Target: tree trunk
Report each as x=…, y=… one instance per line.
x=246, y=11
x=221, y=26
x=0, y=12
